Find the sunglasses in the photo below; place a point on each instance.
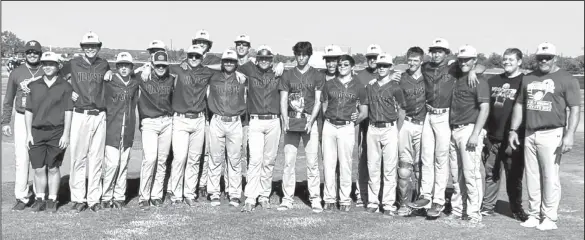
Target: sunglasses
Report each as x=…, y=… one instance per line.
x=90, y=46
x=194, y=56
x=371, y=58
x=123, y=65
x=267, y=59
x=545, y=57
x=383, y=65
x=160, y=66
x=242, y=44
x=32, y=52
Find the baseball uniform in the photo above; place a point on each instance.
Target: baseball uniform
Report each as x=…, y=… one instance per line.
x=156, y=123
x=226, y=102
x=382, y=140
x=89, y=120
x=504, y=92
x=546, y=97
x=301, y=85
x=410, y=137
x=264, y=134
x=466, y=166
x=189, y=105
x=21, y=159
x=339, y=136
x=121, y=96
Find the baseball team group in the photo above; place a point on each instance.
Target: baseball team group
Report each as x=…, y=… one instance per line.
x=413, y=129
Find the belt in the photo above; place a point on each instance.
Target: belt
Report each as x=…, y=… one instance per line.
x=19, y=111
x=433, y=110
x=382, y=124
x=263, y=116
x=455, y=126
x=412, y=120
x=93, y=112
x=48, y=128
x=226, y=118
x=338, y=122
x=544, y=128
x=190, y=115
x=297, y=115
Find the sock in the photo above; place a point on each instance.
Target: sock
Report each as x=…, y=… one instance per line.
x=41, y=196
x=53, y=197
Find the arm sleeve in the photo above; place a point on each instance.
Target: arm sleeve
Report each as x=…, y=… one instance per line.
x=66, y=68
x=29, y=102
x=324, y=95
x=246, y=69
x=483, y=91
x=363, y=96
x=319, y=82
x=572, y=94
x=68, y=100
x=9, y=99
x=522, y=95
x=283, y=84
x=399, y=97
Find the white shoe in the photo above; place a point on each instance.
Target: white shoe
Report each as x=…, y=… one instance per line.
x=547, y=224
x=530, y=223
x=284, y=207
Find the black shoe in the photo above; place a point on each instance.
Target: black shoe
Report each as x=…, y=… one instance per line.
x=190, y=202
x=520, y=215
x=51, y=206
x=78, y=207
x=117, y=204
x=156, y=202
x=202, y=192
x=235, y=202
x=420, y=203
x=329, y=206
x=143, y=205
x=95, y=207
x=435, y=210
x=106, y=204
x=39, y=205
x=487, y=212
x=19, y=206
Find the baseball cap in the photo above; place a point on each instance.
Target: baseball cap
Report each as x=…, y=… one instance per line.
x=243, y=38
x=90, y=38
x=49, y=57
x=229, y=54
x=160, y=57
x=467, y=51
x=156, y=44
x=546, y=48
x=33, y=45
x=264, y=51
x=124, y=57
x=384, y=58
x=440, y=43
x=195, y=49
x=332, y=51
x=373, y=50
x=202, y=35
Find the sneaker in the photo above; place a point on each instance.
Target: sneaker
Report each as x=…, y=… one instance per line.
x=404, y=211
x=143, y=205
x=95, y=207
x=39, y=205
x=284, y=206
x=520, y=215
x=316, y=207
x=390, y=212
x=202, y=192
x=264, y=203
x=359, y=202
x=487, y=212
x=454, y=216
x=344, y=208
x=530, y=223
x=420, y=203
x=19, y=206
x=329, y=206
x=248, y=207
x=372, y=209
x=547, y=224
x=156, y=202
x=215, y=202
x=117, y=204
x=435, y=210
x=51, y=206
x=78, y=207
x=190, y=201
x=474, y=221
x=235, y=202
x=106, y=204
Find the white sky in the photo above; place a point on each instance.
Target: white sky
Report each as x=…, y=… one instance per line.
x=396, y=26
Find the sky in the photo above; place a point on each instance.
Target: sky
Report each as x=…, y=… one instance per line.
x=395, y=26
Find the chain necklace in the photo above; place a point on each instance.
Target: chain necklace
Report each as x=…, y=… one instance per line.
x=31, y=73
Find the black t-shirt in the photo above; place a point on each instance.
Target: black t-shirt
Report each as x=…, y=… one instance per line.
x=503, y=92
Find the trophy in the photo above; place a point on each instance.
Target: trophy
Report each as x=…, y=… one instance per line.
x=297, y=121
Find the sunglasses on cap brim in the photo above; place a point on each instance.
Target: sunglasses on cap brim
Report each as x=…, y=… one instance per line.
x=194, y=55
x=32, y=52
x=544, y=57
x=378, y=65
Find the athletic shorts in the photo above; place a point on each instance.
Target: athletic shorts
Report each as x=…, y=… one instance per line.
x=45, y=149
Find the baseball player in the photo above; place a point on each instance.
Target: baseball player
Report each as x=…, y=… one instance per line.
x=12, y=64
x=385, y=110
x=546, y=94
x=342, y=94
x=48, y=124
x=121, y=96
x=504, y=90
x=413, y=89
x=203, y=39
x=189, y=105
x=265, y=130
x=300, y=91
x=439, y=76
x=14, y=91
x=153, y=46
x=89, y=120
x=156, y=123
x=468, y=113
x=226, y=100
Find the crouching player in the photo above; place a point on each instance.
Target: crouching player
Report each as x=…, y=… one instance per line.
x=48, y=121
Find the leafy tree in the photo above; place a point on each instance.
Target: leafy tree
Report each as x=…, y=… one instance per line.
x=494, y=61
x=10, y=43
x=359, y=58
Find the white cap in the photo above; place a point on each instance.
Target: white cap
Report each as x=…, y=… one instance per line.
x=440, y=43
x=156, y=44
x=49, y=57
x=332, y=51
x=229, y=54
x=202, y=35
x=546, y=48
x=384, y=58
x=467, y=51
x=373, y=50
x=243, y=38
x=124, y=57
x=195, y=49
x=90, y=38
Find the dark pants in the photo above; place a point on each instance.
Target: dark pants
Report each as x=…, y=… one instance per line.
x=45, y=149
x=494, y=154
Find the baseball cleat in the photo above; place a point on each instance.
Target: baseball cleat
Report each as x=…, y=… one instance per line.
x=435, y=210
x=420, y=203
x=19, y=206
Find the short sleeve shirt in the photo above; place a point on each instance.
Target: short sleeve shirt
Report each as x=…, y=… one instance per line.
x=383, y=101
x=343, y=99
x=466, y=100
x=301, y=88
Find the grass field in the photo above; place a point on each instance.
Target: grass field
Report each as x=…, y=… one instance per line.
x=206, y=222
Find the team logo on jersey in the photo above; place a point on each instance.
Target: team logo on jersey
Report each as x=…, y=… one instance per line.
x=537, y=91
x=501, y=94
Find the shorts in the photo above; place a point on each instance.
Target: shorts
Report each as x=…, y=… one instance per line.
x=45, y=151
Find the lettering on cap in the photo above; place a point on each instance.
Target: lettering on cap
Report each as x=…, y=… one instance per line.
x=123, y=55
x=161, y=57
x=242, y=36
x=544, y=47
x=203, y=33
x=32, y=43
x=462, y=50
x=373, y=47
x=437, y=41
x=90, y=36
